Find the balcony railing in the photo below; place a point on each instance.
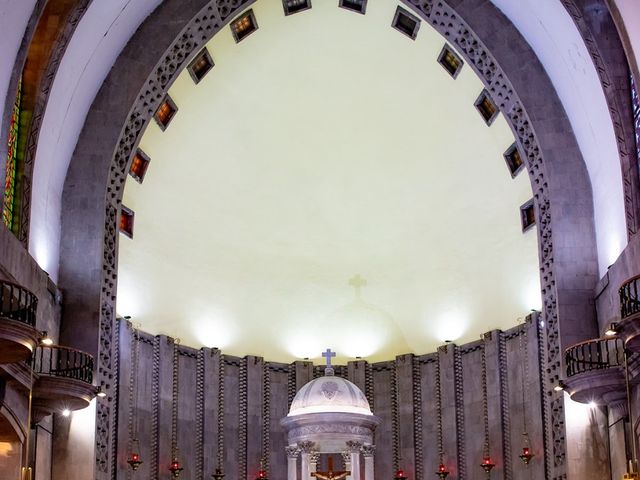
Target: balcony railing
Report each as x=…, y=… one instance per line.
x=594, y=355
x=630, y=297
x=17, y=303
x=57, y=361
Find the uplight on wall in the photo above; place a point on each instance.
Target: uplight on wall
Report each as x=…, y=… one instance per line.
x=451, y=326
x=215, y=331
x=612, y=330
x=46, y=340
x=304, y=344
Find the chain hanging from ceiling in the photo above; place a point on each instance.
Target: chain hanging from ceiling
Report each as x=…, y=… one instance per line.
x=526, y=454
x=134, y=459
x=175, y=468
x=442, y=471
x=487, y=464
x=266, y=421
x=219, y=472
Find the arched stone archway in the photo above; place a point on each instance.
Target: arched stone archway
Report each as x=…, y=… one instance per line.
x=163, y=46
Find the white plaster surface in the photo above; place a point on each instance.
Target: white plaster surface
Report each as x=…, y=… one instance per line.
x=99, y=38
x=299, y=164
x=630, y=11
x=550, y=31
x=14, y=16
x=107, y=27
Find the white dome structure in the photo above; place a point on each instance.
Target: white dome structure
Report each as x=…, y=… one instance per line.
x=330, y=415
x=329, y=394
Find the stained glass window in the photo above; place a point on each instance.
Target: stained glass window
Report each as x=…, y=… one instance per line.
x=636, y=115
x=9, y=197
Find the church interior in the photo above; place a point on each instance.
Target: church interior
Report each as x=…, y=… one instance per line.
x=330, y=239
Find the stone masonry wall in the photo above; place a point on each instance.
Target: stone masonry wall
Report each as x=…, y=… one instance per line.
x=229, y=408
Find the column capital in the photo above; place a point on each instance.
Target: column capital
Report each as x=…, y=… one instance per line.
x=314, y=456
x=306, y=446
x=354, y=446
x=346, y=457
x=292, y=451
x=368, y=450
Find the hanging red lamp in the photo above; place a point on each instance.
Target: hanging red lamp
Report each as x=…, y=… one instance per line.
x=134, y=460
x=526, y=455
x=400, y=475
x=175, y=468
x=262, y=475
x=442, y=472
x=218, y=475
x=487, y=465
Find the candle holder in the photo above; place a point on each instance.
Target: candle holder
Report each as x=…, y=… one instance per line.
x=400, y=475
x=175, y=468
x=487, y=465
x=218, y=475
x=134, y=460
x=262, y=475
x=442, y=472
x=526, y=455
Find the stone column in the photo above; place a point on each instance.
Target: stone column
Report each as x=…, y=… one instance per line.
x=368, y=451
x=354, y=448
x=306, y=449
x=314, y=458
x=292, y=462
x=346, y=458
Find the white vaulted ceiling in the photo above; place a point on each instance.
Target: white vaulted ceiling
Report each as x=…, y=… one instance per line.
x=107, y=27
x=325, y=145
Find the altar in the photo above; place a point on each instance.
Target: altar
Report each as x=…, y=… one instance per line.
x=330, y=415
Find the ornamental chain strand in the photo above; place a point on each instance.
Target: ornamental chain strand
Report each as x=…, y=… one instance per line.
x=394, y=418
x=266, y=419
x=174, y=402
x=439, y=411
x=485, y=400
x=220, y=459
x=417, y=416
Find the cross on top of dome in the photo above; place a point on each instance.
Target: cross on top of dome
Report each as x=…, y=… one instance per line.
x=328, y=355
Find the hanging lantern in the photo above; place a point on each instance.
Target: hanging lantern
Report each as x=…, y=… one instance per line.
x=487, y=465
x=218, y=475
x=175, y=468
x=134, y=460
x=400, y=475
x=262, y=473
x=442, y=471
x=526, y=455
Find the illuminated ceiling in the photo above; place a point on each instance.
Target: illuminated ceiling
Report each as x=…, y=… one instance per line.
x=326, y=145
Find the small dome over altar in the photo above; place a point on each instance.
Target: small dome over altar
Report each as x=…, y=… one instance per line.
x=329, y=415
x=329, y=394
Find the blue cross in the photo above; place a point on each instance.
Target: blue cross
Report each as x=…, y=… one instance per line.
x=329, y=355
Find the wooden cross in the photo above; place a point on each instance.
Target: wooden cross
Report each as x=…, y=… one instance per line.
x=329, y=355
x=330, y=474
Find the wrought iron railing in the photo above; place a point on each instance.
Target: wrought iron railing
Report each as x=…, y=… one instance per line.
x=594, y=355
x=57, y=361
x=630, y=297
x=17, y=303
